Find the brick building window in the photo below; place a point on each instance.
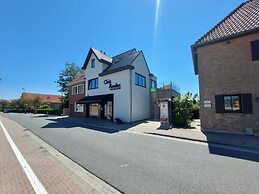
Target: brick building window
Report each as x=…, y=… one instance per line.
x=232, y=103
x=74, y=90
x=237, y=103
x=255, y=50
x=78, y=89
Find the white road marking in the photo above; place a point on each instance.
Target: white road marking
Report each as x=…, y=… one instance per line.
x=35, y=183
x=123, y=165
x=229, y=147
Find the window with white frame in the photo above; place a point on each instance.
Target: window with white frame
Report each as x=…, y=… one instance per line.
x=79, y=107
x=74, y=90
x=78, y=89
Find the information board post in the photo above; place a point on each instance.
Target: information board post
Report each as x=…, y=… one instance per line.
x=165, y=113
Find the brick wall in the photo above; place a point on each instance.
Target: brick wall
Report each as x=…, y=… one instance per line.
x=72, y=100
x=226, y=68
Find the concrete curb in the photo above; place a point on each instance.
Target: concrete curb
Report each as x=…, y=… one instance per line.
x=87, y=176
x=202, y=141
x=96, y=182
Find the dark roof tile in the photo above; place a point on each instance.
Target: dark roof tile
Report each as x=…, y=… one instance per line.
x=241, y=21
x=121, y=62
x=117, y=63
x=243, y=18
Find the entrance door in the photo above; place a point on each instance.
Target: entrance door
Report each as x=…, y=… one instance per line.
x=108, y=110
x=94, y=110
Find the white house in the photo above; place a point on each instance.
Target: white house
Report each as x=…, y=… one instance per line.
x=117, y=87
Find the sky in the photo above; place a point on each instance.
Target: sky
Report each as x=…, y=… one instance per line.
x=38, y=37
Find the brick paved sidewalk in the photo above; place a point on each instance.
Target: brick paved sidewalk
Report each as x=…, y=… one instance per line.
x=195, y=134
x=56, y=173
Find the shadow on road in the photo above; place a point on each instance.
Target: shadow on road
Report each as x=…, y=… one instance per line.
x=89, y=123
x=234, y=153
x=216, y=140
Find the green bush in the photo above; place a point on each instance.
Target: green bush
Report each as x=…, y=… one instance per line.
x=184, y=109
x=48, y=111
x=44, y=106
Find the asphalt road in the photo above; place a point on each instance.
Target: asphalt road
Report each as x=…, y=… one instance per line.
x=135, y=163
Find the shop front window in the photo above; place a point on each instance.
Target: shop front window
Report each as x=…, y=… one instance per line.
x=79, y=107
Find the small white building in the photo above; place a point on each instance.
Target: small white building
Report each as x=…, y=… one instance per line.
x=117, y=87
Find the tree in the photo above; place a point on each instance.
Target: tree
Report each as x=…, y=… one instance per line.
x=66, y=76
x=36, y=102
x=4, y=102
x=15, y=103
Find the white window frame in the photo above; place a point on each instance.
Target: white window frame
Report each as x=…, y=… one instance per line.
x=81, y=92
x=74, y=92
x=77, y=89
x=77, y=109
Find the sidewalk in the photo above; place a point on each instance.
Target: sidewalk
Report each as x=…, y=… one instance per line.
x=55, y=172
x=195, y=134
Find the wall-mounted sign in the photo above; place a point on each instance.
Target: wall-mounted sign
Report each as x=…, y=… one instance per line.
x=207, y=103
x=115, y=86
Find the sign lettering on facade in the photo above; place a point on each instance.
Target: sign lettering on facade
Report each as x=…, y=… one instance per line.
x=115, y=86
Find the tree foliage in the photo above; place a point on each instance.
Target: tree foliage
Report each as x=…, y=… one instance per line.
x=4, y=103
x=66, y=76
x=184, y=108
x=37, y=101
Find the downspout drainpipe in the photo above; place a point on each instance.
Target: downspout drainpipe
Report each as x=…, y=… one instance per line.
x=130, y=95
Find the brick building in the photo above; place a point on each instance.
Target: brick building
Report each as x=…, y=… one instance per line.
x=53, y=101
x=226, y=59
x=77, y=92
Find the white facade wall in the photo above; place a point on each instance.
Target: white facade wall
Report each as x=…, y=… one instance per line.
x=121, y=99
x=131, y=102
x=140, y=95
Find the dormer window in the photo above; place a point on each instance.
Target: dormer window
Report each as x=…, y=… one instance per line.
x=93, y=63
